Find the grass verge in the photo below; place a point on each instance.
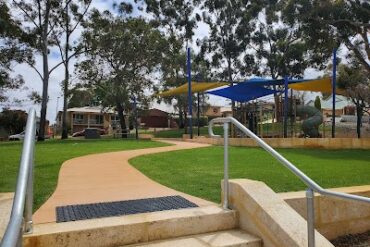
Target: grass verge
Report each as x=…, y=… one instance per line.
x=199, y=171
x=177, y=133
x=49, y=157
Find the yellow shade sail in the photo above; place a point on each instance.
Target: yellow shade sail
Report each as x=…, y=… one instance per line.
x=195, y=88
x=320, y=85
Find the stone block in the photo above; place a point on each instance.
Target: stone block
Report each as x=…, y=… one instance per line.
x=263, y=213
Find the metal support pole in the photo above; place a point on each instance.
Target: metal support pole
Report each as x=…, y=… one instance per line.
x=20, y=239
x=28, y=227
x=198, y=113
x=226, y=166
x=285, y=106
x=190, y=101
x=334, y=85
x=28, y=208
x=23, y=199
x=310, y=218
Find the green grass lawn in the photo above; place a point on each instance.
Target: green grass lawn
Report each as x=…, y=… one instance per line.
x=49, y=157
x=177, y=133
x=199, y=172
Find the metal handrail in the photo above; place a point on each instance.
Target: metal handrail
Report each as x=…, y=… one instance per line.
x=21, y=215
x=312, y=185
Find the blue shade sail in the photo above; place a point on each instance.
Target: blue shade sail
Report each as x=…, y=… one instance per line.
x=243, y=92
x=258, y=81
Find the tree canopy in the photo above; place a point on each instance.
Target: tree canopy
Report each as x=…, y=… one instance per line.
x=12, y=39
x=355, y=79
x=326, y=24
x=139, y=46
x=123, y=52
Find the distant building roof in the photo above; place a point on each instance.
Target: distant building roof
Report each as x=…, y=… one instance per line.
x=154, y=112
x=91, y=109
x=340, y=102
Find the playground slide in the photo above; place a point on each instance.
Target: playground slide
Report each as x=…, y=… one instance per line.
x=313, y=119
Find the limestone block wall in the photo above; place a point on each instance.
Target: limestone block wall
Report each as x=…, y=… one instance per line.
x=335, y=217
x=327, y=143
x=6, y=202
x=265, y=214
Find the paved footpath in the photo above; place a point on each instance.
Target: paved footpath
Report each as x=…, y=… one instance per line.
x=108, y=177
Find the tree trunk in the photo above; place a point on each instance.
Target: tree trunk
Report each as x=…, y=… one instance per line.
x=181, y=119
x=65, y=106
x=66, y=80
x=45, y=84
x=45, y=81
x=185, y=120
x=359, y=120
x=122, y=120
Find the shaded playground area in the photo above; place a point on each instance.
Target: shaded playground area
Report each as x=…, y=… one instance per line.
x=284, y=113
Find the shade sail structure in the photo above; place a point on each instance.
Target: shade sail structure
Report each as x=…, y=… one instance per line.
x=242, y=92
x=253, y=88
x=320, y=85
x=258, y=81
x=195, y=88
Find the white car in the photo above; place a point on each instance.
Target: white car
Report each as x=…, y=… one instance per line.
x=17, y=137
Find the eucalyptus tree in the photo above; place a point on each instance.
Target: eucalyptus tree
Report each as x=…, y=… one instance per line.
x=173, y=70
x=39, y=19
x=328, y=23
x=69, y=18
x=80, y=97
x=279, y=48
x=173, y=74
x=121, y=55
x=13, y=49
x=355, y=79
x=230, y=23
x=177, y=20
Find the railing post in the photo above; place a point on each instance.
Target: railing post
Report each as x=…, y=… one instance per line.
x=226, y=166
x=20, y=239
x=28, y=227
x=28, y=209
x=310, y=217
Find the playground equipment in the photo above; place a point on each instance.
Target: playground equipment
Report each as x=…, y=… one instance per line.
x=258, y=87
x=310, y=125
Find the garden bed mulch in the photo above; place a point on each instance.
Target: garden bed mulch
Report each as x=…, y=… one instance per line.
x=353, y=240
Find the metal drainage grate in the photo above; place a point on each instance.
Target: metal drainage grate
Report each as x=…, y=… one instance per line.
x=108, y=209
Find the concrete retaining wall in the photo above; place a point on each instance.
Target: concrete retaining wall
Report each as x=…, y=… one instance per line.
x=265, y=214
x=6, y=202
x=327, y=143
x=335, y=217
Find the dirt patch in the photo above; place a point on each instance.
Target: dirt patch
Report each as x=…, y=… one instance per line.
x=353, y=240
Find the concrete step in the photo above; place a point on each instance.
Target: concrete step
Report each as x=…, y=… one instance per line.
x=6, y=202
x=230, y=238
x=132, y=229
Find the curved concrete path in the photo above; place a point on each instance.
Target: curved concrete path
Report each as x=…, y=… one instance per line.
x=108, y=177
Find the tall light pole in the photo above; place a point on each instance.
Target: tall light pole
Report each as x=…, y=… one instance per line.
x=334, y=85
x=190, y=101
